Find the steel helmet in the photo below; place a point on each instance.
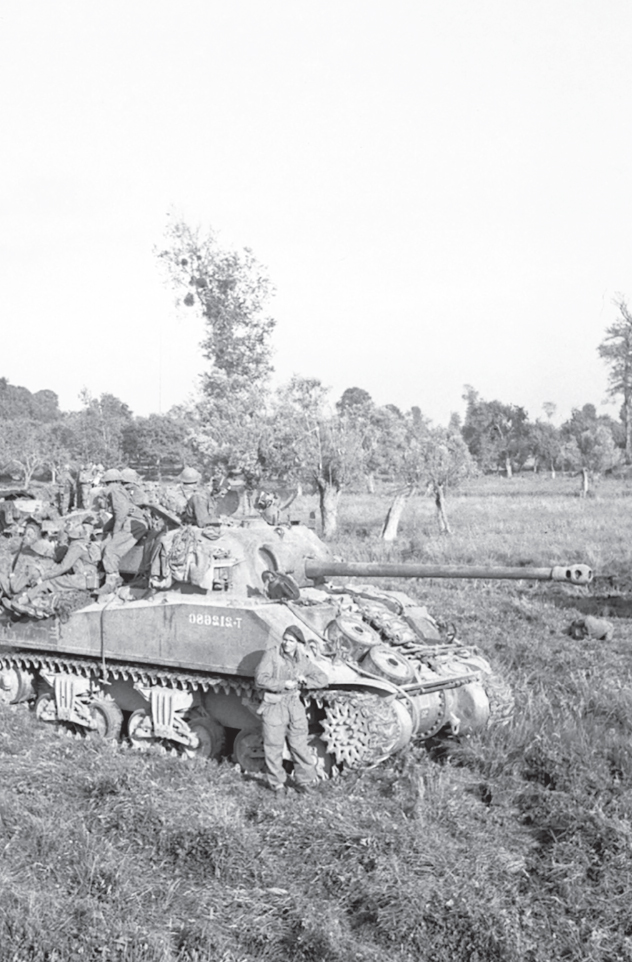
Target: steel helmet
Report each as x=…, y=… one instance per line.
x=129, y=476
x=112, y=474
x=189, y=476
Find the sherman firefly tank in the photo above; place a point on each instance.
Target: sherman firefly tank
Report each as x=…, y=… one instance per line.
x=170, y=658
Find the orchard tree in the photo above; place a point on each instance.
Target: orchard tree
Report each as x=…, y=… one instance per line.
x=616, y=351
x=309, y=443
x=591, y=452
x=433, y=458
x=24, y=444
x=154, y=439
x=546, y=445
x=98, y=429
x=229, y=431
x=496, y=434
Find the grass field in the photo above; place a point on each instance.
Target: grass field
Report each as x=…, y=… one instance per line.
x=513, y=845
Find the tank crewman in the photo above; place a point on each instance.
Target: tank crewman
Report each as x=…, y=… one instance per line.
x=129, y=525
x=280, y=673
x=200, y=507
x=77, y=570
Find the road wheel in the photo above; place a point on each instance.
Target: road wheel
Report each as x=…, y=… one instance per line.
x=140, y=730
x=211, y=738
x=15, y=685
x=248, y=751
x=323, y=761
x=45, y=708
x=108, y=717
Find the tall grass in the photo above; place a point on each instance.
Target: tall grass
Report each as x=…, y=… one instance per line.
x=512, y=845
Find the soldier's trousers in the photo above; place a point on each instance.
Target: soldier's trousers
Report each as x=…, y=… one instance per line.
x=117, y=546
x=286, y=719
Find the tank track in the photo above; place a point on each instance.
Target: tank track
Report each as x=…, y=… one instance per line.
x=358, y=728
x=142, y=675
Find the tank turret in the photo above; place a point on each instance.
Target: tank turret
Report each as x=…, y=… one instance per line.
x=170, y=657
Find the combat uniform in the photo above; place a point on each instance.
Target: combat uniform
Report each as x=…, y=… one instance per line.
x=65, y=491
x=129, y=526
x=200, y=508
x=283, y=714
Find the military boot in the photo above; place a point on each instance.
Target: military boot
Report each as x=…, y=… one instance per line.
x=111, y=583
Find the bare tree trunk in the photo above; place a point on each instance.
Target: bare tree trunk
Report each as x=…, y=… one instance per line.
x=329, y=496
x=394, y=514
x=370, y=483
x=584, y=488
x=439, y=496
x=245, y=509
x=553, y=471
x=508, y=470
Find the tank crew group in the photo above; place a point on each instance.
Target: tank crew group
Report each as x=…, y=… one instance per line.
x=78, y=537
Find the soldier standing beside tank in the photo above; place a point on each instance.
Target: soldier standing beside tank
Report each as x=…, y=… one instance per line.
x=281, y=672
x=200, y=507
x=129, y=525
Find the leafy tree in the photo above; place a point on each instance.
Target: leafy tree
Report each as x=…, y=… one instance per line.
x=310, y=444
x=230, y=289
x=24, y=444
x=355, y=400
x=229, y=431
x=434, y=458
x=616, y=351
x=98, y=429
x=18, y=402
x=155, y=439
x=546, y=445
x=496, y=434
x=591, y=453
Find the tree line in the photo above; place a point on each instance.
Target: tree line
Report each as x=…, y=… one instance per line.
x=294, y=435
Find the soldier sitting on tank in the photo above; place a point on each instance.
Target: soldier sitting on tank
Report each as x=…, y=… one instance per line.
x=76, y=571
x=127, y=526
x=200, y=506
x=281, y=672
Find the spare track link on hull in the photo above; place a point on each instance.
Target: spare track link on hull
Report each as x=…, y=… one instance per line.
x=359, y=729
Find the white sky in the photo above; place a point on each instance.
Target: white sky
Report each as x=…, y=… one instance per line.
x=441, y=190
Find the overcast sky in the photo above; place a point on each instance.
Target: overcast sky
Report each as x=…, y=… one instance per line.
x=440, y=191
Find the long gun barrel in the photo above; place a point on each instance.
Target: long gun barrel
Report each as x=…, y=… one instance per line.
x=576, y=574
